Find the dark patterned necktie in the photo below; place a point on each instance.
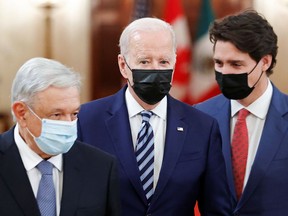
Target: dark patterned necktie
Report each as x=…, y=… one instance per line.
x=145, y=154
x=240, y=151
x=46, y=197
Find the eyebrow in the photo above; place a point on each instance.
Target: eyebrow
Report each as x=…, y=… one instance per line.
x=61, y=110
x=229, y=61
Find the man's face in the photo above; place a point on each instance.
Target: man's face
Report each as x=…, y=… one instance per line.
x=229, y=60
x=153, y=50
x=52, y=103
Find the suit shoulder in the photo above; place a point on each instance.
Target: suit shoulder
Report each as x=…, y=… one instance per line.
x=6, y=139
x=283, y=97
x=210, y=101
x=101, y=102
x=94, y=109
x=210, y=104
x=90, y=160
x=280, y=101
x=89, y=151
x=98, y=106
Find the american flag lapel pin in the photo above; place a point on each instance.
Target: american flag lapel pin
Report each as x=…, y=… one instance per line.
x=180, y=129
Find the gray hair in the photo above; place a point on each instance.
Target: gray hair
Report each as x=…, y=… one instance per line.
x=37, y=74
x=146, y=24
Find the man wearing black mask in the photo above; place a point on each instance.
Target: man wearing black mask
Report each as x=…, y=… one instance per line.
x=169, y=153
x=252, y=114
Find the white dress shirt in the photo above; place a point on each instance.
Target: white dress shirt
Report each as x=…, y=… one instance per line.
x=158, y=123
x=255, y=124
x=30, y=160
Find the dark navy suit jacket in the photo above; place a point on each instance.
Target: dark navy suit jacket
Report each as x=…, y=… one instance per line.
x=266, y=192
x=90, y=183
x=193, y=165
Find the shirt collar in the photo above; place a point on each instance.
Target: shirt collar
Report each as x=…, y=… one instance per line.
x=134, y=108
x=263, y=101
x=29, y=157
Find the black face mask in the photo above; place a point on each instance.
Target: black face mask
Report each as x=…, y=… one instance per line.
x=153, y=85
x=235, y=86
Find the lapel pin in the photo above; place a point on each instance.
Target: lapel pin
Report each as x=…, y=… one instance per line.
x=180, y=129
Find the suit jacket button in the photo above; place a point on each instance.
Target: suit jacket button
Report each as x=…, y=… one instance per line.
x=236, y=214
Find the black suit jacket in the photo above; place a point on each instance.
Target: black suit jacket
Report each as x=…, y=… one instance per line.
x=90, y=184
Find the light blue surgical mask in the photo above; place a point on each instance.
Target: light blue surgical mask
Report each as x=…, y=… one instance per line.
x=57, y=137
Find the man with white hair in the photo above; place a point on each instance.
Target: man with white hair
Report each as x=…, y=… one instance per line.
x=43, y=170
x=169, y=153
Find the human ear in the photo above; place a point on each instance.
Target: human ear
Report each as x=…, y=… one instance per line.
x=122, y=66
x=267, y=60
x=20, y=111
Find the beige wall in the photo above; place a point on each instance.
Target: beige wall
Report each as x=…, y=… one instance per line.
x=276, y=13
x=22, y=36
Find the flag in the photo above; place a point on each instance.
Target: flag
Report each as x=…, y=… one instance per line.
x=202, y=83
x=173, y=14
x=141, y=9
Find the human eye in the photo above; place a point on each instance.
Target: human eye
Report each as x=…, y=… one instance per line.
x=55, y=116
x=236, y=64
x=143, y=61
x=74, y=115
x=218, y=63
x=164, y=62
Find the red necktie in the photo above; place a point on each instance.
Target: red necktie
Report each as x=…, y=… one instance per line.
x=240, y=150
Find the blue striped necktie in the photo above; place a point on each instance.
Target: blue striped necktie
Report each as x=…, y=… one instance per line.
x=46, y=197
x=145, y=154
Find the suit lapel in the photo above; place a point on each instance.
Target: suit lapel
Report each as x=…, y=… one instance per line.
x=173, y=145
x=72, y=181
x=222, y=114
x=272, y=135
x=119, y=127
x=13, y=173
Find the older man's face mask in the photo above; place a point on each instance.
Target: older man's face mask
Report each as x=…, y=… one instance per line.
x=57, y=137
x=151, y=85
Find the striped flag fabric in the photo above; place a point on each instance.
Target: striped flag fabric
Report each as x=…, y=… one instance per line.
x=173, y=14
x=203, y=85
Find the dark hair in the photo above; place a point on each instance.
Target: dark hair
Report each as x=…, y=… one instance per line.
x=250, y=32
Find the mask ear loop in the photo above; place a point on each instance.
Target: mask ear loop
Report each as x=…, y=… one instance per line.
x=30, y=109
x=258, y=79
x=253, y=68
x=129, y=69
x=30, y=132
x=259, y=76
x=33, y=112
x=127, y=63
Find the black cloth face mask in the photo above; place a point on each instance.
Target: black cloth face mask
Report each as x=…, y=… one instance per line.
x=151, y=85
x=235, y=86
